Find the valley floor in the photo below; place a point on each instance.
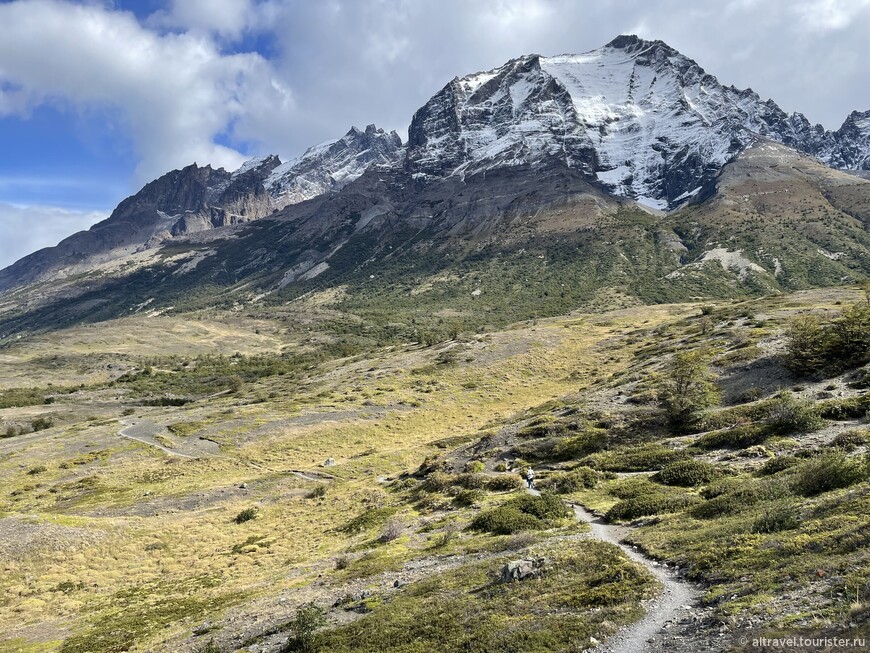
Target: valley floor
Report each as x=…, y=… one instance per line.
x=384, y=488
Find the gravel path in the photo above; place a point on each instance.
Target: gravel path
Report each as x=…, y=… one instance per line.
x=676, y=604
x=140, y=431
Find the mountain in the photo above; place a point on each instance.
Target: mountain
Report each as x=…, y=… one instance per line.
x=642, y=119
x=330, y=166
x=197, y=199
x=623, y=175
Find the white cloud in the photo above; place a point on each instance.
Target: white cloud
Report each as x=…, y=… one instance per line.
x=827, y=15
x=26, y=229
x=228, y=18
x=176, y=93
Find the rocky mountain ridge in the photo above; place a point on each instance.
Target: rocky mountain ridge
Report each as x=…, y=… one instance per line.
x=639, y=117
x=633, y=121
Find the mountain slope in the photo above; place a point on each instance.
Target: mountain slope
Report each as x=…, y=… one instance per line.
x=514, y=197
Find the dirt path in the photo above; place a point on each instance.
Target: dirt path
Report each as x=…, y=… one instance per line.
x=676, y=603
x=140, y=431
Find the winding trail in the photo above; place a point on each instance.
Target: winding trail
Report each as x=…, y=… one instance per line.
x=676, y=601
x=138, y=431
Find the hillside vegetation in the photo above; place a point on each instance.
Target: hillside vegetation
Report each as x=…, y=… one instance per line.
x=178, y=500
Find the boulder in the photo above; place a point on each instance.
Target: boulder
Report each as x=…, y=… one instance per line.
x=522, y=569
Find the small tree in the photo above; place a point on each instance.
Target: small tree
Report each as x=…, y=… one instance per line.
x=304, y=625
x=687, y=387
x=851, y=336
x=806, y=345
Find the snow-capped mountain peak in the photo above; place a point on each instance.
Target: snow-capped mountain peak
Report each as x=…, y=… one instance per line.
x=642, y=119
x=332, y=165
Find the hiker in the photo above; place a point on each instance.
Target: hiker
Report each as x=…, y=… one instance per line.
x=530, y=478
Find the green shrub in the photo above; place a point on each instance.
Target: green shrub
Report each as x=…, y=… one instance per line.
x=577, y=479
x=778, y=464
x=843, y=409
x=650, y=504
x=475, y=467
x=851, y=439
x=525, y=512
x=582, y=444
x=776, y=518
x=246, y=515
x=303, y=627
x=438, y=482
x=41, y=423
x=687, y=473
x=471, y=481
x=789, y=415
x=634, y=486
x=39, y=469
x=504, y=483
x=368, y=519
x=317, y=493
x=813, y=347
x=468, y=497
x=643, y=458
x=739, y=437
x=829, y=471
x=687, y=387
x=806, y=345
x=740, y=495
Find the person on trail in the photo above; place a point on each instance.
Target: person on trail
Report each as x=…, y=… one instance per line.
x=530, y=478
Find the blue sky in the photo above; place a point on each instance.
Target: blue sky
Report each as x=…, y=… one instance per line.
x=98, y=97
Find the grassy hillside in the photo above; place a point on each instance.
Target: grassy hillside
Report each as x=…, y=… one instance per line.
x=207, y=526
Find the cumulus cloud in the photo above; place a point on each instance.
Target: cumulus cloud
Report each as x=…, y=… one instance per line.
x=29, y=228
x=175, y=93
x=228, y=18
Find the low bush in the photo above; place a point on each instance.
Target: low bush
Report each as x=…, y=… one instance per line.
x=470, y=481
x=392, y=530
x=41, y=423
x=309, y=618
x=246, y=515
x=504, y=483
x=843, y=409
x=580, y=478
x=467, y=498
x=829, y=471
x=650, y=504
x=582, y=444
x=775, y=518
x=778, y=464
x=644, y=458
x=525, y=512
x=789, y=415
x=740, y=495
x=687, y=473
x=317, y=493
x=368, y=519
x=851, y=439
x=739, y=437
